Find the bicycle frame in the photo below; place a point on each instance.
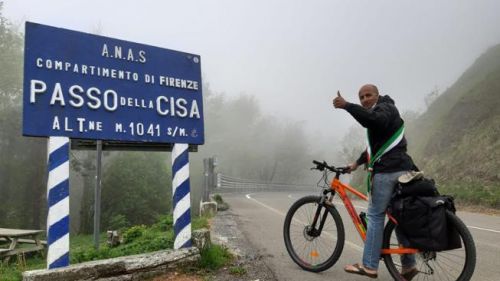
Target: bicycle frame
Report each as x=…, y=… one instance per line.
x=341, y=189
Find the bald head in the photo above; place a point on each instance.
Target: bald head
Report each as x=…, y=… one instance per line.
x=368, y=95
x=369, y=87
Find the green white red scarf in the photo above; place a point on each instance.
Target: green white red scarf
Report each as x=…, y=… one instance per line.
x=388, y=145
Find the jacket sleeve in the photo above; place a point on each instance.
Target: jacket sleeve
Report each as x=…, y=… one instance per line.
x=362, y=158
x=377, y=118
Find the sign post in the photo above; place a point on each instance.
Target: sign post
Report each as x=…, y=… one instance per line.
x=97, y=196
x=181, y=196
x=58, y=203
x=89, y=87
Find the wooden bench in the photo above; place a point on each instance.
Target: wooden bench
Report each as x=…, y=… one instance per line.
x=18, y=240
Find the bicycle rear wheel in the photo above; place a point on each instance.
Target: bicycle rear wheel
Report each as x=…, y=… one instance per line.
x=313, y=250
x=457, y=264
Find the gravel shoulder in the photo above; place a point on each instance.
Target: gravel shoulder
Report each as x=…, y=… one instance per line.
x=249, y=264
x=225, y=230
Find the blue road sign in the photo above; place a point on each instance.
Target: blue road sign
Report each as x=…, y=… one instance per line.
x=86, y=86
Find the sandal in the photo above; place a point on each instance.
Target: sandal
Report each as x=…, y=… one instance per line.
x=361, y=271
x=410, y=274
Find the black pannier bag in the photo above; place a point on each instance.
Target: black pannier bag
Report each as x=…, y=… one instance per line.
x=423, y=221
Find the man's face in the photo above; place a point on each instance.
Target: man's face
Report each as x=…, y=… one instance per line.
x=368, y=97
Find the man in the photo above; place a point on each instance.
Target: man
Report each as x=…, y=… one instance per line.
x=386, y=159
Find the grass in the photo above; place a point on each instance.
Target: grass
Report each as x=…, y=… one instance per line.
x=13, y=271
x=214, y=257
x=473, y=194
x=137, y=240
x=237, y=270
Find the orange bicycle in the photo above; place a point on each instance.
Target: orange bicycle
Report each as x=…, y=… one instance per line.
x=314, y=235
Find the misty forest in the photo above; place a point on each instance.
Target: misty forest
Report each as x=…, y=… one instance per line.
x=455, y=140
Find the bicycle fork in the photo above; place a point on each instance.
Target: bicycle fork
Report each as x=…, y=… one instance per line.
x=313, y=231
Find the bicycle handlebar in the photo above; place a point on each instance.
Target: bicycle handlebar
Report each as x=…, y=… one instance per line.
x=323, y=165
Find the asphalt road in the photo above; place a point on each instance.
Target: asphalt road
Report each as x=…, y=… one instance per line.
x=261, y=216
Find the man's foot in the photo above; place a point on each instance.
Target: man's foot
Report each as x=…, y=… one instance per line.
x=361, y=270
x=408, y=274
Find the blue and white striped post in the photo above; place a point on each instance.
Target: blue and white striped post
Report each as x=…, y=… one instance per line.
x=181, y=196
x=58, y=203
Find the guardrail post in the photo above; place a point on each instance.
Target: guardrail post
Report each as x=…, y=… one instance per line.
x=212, y=163
x=205, y=180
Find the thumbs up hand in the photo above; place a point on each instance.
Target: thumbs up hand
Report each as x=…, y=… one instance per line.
x=339, y=101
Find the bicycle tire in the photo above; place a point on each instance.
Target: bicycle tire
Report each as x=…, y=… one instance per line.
x=442, y=261
x=338, y=237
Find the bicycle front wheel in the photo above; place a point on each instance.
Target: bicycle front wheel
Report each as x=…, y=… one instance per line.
x=311, y=248
x=457, y=264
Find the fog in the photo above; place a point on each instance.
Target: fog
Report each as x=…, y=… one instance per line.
x=294, y=55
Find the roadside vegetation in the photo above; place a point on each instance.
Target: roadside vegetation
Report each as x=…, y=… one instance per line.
x=137, y=239
x=221, y=204
x=475, y=195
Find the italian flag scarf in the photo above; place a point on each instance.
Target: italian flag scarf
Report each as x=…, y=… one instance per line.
x=388, y=145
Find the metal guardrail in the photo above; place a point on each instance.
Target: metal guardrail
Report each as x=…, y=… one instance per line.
x=232, y=184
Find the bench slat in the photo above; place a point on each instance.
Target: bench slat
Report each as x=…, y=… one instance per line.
x=10, y=232
x=30, y=241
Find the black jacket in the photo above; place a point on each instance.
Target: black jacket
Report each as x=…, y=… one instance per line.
x=382, y=121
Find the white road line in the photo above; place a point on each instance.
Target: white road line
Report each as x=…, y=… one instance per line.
x=265, y=206
x=354, y=245
x=485, y=229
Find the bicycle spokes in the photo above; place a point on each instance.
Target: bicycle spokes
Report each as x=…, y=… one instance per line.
x=311, y=235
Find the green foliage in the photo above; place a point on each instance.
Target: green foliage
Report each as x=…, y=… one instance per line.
x=137, y=239
x=137, y=187
x=23, y=159
x=11, y=44
x=476, y=194
x=132, y=233
x=83, y=163
x=457, y=141
x=118, y=222
x=214, y=257
x=200, y=222
x=13, y=271
x=218, y=199
x=141, y=239
x=237, y=270
x=166, y=222
x=88, y=254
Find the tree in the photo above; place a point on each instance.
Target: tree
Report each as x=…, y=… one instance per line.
x=85, y=166
x=136, y=189
x=23, y=161
x=252, y=145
